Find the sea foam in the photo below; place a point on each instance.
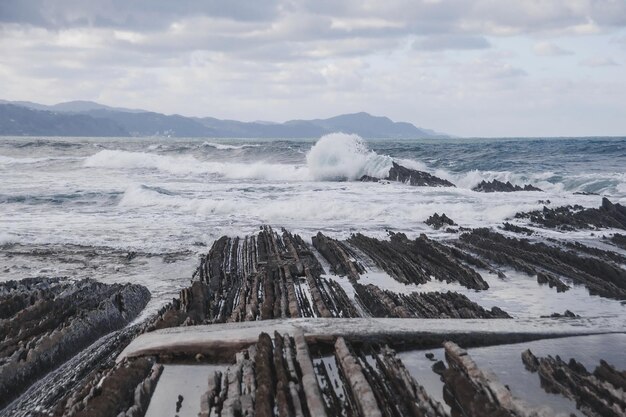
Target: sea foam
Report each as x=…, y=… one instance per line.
x=339, y=156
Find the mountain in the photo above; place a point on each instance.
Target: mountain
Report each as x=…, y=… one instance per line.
x=76, y=106
x=86, y=118
x=22, y=121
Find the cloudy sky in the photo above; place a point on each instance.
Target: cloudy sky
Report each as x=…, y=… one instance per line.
x=465, y=67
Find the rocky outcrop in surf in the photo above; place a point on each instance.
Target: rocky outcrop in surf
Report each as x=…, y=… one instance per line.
x=577, y=217
x=45, y=322
x=409, y=176
x=502, y=187
x=437, y=222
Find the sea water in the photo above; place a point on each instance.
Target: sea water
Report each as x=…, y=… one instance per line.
x=144, y=209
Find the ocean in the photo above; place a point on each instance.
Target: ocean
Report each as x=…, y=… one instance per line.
x=144, y=209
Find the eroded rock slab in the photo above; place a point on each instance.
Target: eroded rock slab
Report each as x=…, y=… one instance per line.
x=46, y=322
x=578, y=217
x=599, y=394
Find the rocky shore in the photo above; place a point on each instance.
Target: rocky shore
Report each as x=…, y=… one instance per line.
x=276, y=276
x=44, y=322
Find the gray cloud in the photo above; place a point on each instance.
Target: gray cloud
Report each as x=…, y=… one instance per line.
x=443, y=42
x=279, y=59
x=550, y=49
x=596, y=62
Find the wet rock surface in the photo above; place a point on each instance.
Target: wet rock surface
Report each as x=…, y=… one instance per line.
x=601, y=276
x=379, y=303
x=47, y=321
x=577, y=217
x=472, y=392
x=619, y=240
x=601, y=393
x=437, y=222
x=409, y=176
x=415, y=178
x=277, y=275
x=499, y=186
x=415, y=261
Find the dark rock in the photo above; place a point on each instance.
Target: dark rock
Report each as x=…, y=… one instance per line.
x=439, y=367
x=585, y=193
x=572, y=380
x=437, y=222
x=601, y=276
x=567, y=314
x=499, y=186
x=416, y=178
x=379, y=303
x=415, y=261
x=552, y=281
x=338, y=256
x=619, y=240
x=367, y=178
x=430, y=355
x=578, y=217
x=57, y=321
x=517, y=229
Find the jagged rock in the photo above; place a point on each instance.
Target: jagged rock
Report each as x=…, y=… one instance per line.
x=499, y=186
x=601, y=276
x=619, y=240
x=567, y=314
x=57, y=321
x=437, y=222
x=338, y=256
x=598, y=394
x=578, y=217
x=415, y=261
x=379, y=303
x=517, y=229
x=552, y=281
x=411, y=177
x=472, y=392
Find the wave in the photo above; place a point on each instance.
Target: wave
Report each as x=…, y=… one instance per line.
x=12, y=161
x=343, y=157
x=222, y=146
x=186, y=165
x=340, y=157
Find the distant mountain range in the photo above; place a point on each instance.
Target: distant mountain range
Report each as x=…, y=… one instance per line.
x=86, y=118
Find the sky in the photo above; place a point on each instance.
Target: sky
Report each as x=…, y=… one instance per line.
x=464, y=67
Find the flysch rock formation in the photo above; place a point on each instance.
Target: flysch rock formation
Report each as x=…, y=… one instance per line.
x=502, y=187
x=330, y=329
x=601, y=393
x=409, y=176
x=602, y=275
x=577, y=217
x=44, y=322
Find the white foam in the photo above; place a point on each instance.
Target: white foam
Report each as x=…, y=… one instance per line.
x=5, y=239
x=185, y=165
x=339, y=156
x=222, y=146
x=10, y=160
